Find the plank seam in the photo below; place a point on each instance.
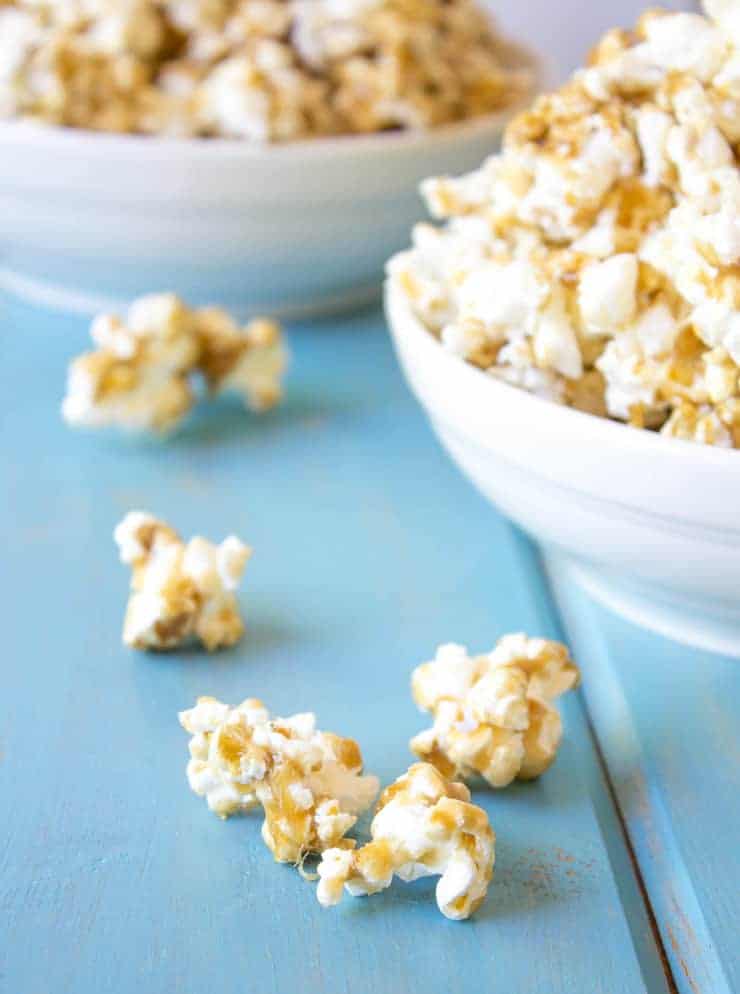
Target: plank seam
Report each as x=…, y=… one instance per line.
x=694, y=960
x=558, y=623
x=641, y=885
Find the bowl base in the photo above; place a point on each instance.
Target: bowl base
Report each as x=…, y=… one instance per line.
x=56, y=297
x=681, y=619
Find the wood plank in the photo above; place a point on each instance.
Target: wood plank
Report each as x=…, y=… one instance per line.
x=369, y=551
x=666, y=719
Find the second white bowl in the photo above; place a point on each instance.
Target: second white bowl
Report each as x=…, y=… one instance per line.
x=91, y=220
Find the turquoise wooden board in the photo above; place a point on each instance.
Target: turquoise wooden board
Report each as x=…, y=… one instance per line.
x=666, y=718
x=369, y=551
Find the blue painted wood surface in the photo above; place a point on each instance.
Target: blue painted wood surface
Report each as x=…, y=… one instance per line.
x=369, y=551
x=667, y=721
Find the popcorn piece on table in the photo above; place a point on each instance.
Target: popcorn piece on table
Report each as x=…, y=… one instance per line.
x=309, y=782
x=492, y=713
x=179, y=590
x=140, y=376
x=248, y=360
x=424, y=826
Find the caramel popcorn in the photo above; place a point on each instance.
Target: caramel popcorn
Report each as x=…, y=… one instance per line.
x=179, y=591
x=697, y=424
x=259, y=70
x=423, y=826
x=249, y=361
x=493, y=715
x=139, y=377
x=308, y=782
x=595, y=261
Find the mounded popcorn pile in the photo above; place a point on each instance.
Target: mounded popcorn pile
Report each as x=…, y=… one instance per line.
x=596, y=261
x=139, y=377
x=262, y=70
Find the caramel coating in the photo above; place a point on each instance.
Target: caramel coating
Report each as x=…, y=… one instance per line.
x=493, y=715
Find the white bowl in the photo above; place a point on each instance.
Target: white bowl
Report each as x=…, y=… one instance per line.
x=88, y=221
x=649, y=525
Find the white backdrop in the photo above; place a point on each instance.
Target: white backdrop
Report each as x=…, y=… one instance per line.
x=568, y=28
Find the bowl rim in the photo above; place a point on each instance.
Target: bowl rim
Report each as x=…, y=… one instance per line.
x=405, y=324
x=52, y=138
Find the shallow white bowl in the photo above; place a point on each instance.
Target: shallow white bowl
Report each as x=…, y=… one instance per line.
x=88, y=221
x=649, y=525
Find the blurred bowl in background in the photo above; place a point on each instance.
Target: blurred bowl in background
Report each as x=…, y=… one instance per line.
x=648, y=525
x=91, y=220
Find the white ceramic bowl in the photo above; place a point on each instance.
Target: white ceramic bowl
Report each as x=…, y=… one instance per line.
x=88, y=221
x=649, y=525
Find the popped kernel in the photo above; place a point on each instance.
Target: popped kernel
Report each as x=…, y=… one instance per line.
x=137, y=377
x=493, y=714
x=424, y=825
x=179, y=591
x=140, y=376
x=581, y=261
x=249, y=361
x=308, y=782
x=698, y=424
x=258, y=70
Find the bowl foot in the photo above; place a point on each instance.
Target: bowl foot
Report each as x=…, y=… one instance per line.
x=69, y=300
x=693, y=622
x=51, y=297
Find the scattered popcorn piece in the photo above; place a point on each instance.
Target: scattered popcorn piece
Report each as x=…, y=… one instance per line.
x=424, y=826
x=179, y=591
x=259, y=70
x=249, y=360
x=139, y=378
x=492, y=713
x=309, y=782
x=596, y=260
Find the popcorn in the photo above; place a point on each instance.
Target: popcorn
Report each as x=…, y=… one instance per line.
x=139, y=378
x=698, y=424
x=179, y=591
x=493, y=715
x=80, y=64
x=596, y=260
x=309, y=782
x=242, y=99
x=20, y=34
x=394, y=64
x=249, y=361
x=258, y=70
x=423, y=826
x=634, y=362
x=607, y=294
